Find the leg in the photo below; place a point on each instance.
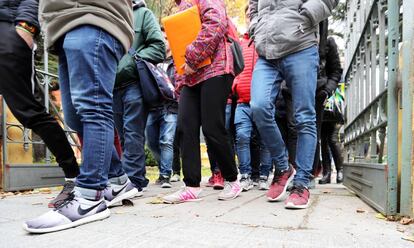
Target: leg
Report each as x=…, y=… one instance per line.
x=255, y=154
x=134, y=120
x=189, y=121
x=243, y=125
x=176, y=160
x=167, y=129
x=152, y=134
x=301, y=71
x=91, y=86
x=336, y=152
x=214, y=94
x=319, y=106
x=292, y=136
x=326, y=156
x=265, y=87
x=17, y=85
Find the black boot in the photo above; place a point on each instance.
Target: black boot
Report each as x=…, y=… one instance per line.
x=340, y=176
x=326, y=178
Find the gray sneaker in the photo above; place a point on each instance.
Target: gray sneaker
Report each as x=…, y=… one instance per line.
x=231, y=190
x=75, y=211
x=263, y=183
x=115, y=193
x=246, y=183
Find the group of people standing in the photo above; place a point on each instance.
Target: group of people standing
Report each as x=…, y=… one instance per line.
x=98, y=43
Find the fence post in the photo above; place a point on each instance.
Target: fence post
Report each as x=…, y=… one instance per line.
x=407, y=101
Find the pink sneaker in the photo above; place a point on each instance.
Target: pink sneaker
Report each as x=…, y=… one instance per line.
x=231, y=190
x=298, y=198
x=280, y=182
x=218, y=181
x=186, y=194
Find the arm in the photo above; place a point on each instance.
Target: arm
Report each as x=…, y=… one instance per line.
x=154, y=50
x=27, y=12
x=253, y=15
x=213, y=30
x=333, y=66
x=318, y=10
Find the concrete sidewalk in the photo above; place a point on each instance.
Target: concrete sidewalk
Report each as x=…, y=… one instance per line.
x=249, y=221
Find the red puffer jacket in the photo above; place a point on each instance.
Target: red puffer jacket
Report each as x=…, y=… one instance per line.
x=242, y=83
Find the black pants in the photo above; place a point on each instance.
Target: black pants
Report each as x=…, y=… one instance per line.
x=17, y=85
x=255, y=153
x=329, y=140
x=176, y=164
x=204, y=105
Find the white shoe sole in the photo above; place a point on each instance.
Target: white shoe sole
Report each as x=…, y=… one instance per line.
x=284, y=194
x=178, y=202
x=244, y=189
x=99, y=216
x=130, y=194
x=290, y=205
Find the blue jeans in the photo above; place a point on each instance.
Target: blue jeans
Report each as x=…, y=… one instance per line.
x=299, y=70
x=88, y=58
x=130, y=116
x=244, y=127
x=160, y=132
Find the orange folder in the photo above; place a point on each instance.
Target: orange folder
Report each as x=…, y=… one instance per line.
x=182, y=29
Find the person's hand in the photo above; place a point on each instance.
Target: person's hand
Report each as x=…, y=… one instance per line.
x=28, y=38
x=187, y=69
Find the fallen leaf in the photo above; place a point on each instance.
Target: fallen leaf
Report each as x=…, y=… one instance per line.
x=409, y=238
x=251, y=225
x=45, y=191
x=156, y=200
x=157, y=216
x=406, y=221
x=360, y=210
x=127, y=203
x=118, y=212
x=400, y=229
x=380, y=216
x=37, y=203
x=326, y=191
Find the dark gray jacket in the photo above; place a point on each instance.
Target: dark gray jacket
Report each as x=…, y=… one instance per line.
x=283, y=27
x=19, y=10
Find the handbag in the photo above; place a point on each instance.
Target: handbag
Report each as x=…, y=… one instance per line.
x=236, y=49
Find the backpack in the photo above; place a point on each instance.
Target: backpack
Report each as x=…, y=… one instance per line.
x=335, y=105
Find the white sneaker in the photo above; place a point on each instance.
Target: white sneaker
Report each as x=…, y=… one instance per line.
x=175, y=178
x=263, y=183
x=115, y=193
x=246, y=183
x=75, y=211
x=231, y=190
x=185, y=194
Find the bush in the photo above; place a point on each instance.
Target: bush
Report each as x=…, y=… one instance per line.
x=149, y=158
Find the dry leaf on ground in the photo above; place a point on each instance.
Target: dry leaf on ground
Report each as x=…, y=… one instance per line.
x=380, y=216
x=37, y=203
x=400, y=229
x=360, y=210
x=156, y=200
x=127, y=203
x=406, y=221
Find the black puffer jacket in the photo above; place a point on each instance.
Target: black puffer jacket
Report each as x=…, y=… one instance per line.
x=330, y=70
x=19, y=10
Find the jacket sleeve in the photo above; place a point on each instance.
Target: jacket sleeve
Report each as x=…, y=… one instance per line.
x=253, y=15
x=154, y=50
x=333, y=66
x=27, y=11
x=318, y=10
x=213, y=30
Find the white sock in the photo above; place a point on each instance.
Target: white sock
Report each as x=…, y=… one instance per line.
x=70, y=179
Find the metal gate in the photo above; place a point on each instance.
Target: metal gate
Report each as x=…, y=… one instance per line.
x=33, y=174
x=373, y=42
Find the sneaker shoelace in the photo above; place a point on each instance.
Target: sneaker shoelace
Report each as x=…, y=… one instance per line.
x=67, y=201
x=67, y=189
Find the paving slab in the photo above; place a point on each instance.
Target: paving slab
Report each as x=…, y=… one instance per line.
x=248, y=221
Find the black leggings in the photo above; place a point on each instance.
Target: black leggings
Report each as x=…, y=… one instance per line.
x=204, y=105
x=330, y=146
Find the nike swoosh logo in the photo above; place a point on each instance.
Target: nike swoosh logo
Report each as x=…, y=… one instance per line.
x=85, y=211
x=115, y=193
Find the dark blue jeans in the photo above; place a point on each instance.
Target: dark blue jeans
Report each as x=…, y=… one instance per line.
x=130, y=116
x=299, y=70
x=160, y=132
x=88, y=58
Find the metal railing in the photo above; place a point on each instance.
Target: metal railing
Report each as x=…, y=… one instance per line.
x=371, y=132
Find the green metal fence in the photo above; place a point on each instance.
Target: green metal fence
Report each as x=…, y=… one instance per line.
x=371, y=132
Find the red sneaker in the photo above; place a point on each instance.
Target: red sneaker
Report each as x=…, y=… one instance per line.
x=280, y=182
x=210, y=182
x=218, y=181
x=298, y=198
